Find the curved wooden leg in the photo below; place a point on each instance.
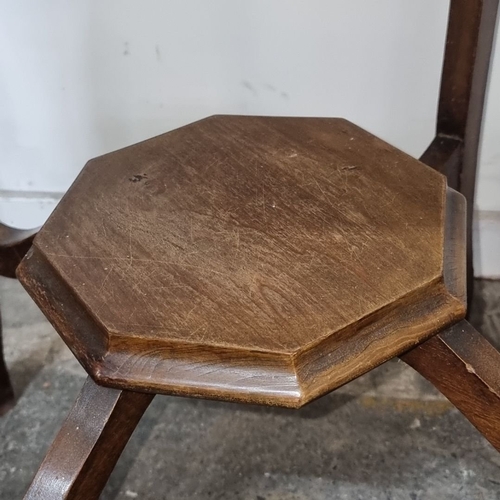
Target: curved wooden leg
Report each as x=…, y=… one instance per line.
x=465, y=367
x=87, y=447
x=6, y=391
x=14, y=244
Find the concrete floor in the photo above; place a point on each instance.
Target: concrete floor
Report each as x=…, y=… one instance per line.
x=386, y=436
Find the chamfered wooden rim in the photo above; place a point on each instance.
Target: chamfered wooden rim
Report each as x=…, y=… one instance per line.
x=255, y=376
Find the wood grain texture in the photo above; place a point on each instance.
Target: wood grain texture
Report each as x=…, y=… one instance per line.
x=188, y=244
x=14, y=244
x=465, y=367
x=89, y=444
x=469, y=43
x=255, y=259
x=460, y=362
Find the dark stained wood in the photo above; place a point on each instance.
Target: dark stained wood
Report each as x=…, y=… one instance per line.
x=444, y=154
x=14, y=244
x=6, y=391
x=89, y=444
x=469, y=42
x=266, y=260
x=465, y=367
x=460, y=362
x=468, y=49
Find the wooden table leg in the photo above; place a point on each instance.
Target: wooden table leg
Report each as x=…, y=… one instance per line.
x=465, y=367
x=6, y=391
x=87, y=447
x=14, y=243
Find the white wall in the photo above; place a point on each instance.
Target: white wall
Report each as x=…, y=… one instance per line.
x=85, y=77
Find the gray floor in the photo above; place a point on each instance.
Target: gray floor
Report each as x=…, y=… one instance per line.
x=389, y=435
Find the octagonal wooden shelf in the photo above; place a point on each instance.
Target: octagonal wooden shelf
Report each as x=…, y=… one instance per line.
x=266, y=260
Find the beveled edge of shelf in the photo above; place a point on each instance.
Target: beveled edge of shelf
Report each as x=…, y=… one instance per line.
x=455, y=247
x=420, y=315
x=214, y=373
x=280, y=380
x=269, y=378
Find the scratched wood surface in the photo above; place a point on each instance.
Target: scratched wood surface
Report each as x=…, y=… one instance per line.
x=247, y=258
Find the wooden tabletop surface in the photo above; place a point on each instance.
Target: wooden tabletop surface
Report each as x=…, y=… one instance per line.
x=253, y=236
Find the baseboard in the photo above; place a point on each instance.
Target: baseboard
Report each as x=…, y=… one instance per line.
x=486, y=238
x=27, y=210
